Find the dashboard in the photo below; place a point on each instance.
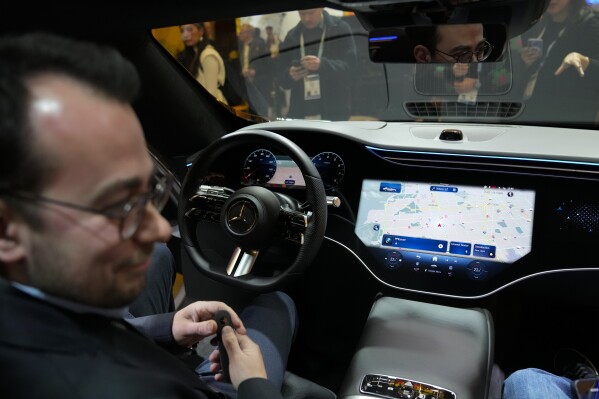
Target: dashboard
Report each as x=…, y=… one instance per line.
x=433, y=217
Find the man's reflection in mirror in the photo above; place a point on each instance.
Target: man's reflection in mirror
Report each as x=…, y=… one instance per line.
x=464, y=46
x=450, y=43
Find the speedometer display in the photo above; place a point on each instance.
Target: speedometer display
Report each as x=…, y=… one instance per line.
x=259, y=167
x=331, y=168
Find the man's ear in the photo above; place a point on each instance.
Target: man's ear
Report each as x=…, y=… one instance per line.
x=422, y=54
x=11, y=247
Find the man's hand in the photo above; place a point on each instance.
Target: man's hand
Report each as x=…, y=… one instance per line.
x=460, y=70
x=576, y=60
x=530, y=55
x=245, y=358
x=311, y=63
x=465, y=86
x=249, y=73
x=298, y=72
x=194, y=322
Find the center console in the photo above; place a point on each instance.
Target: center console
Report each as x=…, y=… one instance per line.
x=417, y=350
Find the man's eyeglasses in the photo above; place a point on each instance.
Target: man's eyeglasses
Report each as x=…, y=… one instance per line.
x=129, y=213
x=482, y=52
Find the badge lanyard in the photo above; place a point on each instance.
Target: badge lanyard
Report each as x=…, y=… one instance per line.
x=312, y=81
x=532, y=82
x=320, y=47
x=559, y=35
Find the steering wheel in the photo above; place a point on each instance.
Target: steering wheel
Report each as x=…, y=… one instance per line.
x=253, y=217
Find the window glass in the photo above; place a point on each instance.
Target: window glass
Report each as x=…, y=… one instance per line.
x=309, y=64
x=314, y=64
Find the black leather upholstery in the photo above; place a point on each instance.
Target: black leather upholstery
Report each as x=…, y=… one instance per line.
x=442, y=346
x=296, y=387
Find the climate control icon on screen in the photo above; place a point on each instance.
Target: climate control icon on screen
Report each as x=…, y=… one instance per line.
x=393, y=259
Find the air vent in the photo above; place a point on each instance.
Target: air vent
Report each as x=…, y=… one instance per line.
x=454, y=109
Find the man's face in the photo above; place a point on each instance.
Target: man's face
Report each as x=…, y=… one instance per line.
x=456, y=39
x=191, y=34
x=98, y=152
x=557, y=7
x=452, y=40
x=246, y=34
x=311, y=18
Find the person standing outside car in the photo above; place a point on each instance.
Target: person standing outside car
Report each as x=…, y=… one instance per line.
x=317, y=60
x=80, y=203
x=272, y=42
x=560, y=57
x=202, y=60
x=255, y=68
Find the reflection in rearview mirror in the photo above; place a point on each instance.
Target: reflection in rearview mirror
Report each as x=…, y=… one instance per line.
x=438, y=44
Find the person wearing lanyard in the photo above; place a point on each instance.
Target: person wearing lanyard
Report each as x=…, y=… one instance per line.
x=255, y=68
x=316, y=70
x=560, y=56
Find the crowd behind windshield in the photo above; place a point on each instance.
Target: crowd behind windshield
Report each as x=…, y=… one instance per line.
x=314, y=64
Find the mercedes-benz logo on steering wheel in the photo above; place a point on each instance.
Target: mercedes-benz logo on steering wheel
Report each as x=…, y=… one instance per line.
x=241, y=217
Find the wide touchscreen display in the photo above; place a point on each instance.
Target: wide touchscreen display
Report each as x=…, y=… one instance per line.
x=479, y=222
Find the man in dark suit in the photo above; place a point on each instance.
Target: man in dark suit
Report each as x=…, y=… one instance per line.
x=317, y=62
x=80, y=205
x=256, y=65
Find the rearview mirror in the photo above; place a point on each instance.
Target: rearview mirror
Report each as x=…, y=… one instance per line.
x=434, y=44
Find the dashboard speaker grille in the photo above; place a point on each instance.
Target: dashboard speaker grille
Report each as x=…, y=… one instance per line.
x=580, y=217
x=449, y=109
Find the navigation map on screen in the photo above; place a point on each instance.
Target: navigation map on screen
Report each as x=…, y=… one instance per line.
x=486, y=222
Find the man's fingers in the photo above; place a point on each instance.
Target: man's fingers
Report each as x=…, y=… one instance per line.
x=213, y=307
x=576, y=60
x=561, y=68
x=214, y=356
x=566, y=65
x=206, y=328
x=244, y=341
x=229, y=340
x=234, y=317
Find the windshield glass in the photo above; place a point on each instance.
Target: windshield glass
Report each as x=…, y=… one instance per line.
x=314, y=64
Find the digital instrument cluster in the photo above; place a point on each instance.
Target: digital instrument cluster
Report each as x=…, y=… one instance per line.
x=263, y=167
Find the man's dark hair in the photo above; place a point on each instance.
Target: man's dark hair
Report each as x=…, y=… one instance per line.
x=426, y=36
x=26, y=56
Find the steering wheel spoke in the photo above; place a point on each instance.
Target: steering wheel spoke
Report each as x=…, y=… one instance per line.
x=242, y=261
x=294, y=225
x=207, y=203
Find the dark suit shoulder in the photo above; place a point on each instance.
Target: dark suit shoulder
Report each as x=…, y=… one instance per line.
x=49, y=352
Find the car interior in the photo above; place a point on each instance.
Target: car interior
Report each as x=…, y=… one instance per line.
x=428, y=242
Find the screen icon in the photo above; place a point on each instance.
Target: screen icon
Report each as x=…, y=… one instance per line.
x=390, y=187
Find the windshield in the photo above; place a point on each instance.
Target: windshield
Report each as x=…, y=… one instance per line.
x=314, y=64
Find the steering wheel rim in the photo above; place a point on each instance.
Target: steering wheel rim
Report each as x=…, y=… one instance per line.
x=315, y=194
